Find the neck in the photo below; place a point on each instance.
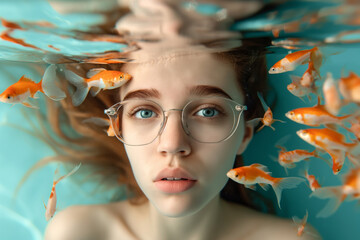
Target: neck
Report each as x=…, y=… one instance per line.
x=200, y=225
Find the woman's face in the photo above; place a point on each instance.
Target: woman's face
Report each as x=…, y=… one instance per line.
x=173, y=153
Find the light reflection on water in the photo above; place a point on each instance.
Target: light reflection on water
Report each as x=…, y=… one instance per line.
x=52, y=37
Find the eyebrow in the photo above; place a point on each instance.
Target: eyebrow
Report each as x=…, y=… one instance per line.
x=200, y=90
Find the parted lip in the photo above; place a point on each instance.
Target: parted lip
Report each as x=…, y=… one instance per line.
x=173, y=173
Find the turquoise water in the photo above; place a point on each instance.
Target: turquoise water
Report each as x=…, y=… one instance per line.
x=22, y=217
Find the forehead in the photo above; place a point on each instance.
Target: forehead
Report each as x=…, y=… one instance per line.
x=175, y=77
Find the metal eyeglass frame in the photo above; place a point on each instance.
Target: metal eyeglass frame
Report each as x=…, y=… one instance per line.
x=112, y=113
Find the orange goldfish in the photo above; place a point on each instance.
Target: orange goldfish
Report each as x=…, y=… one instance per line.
x=315, y=116
x=258, y=174
x=309, y=76
x=327, y=139
x=292, y=60
x=350, y=87
x=337, y=194
x=333, y=102
x=298, y=90
x=21, y=91
x=301, y=224
x=288, y=159
x=268, y=119
x=51, y=204
x=303, y=229
x=98, y=78
x=313, y=183
x=338, y=159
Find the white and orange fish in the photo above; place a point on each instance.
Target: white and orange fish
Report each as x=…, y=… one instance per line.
x=301, y=224
x=51, y=204
x=337, y=194
x=327, y=139
x=98, y=78
x=268, y=119
x=292, y=60
x=21, y=91
x=310, y=76
x=313, y=182
x=258, y=174
x=315, y=116
x=288, y=159
x=303, y=228
x=299, y=90
x=350, y=87
x=25, y=88
x=333, y=102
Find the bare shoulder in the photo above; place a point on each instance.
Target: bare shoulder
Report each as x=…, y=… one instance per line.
x=258, y=225
x=89, y=222
x=76, y=222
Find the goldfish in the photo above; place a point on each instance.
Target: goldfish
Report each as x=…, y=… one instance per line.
x=302, y=227
x=338, y=159
x=299, y=90
x=309, y=76
x=25, y=88
x=258, y=174
x=350, y=87
x=288, y=159
x=315, y=116
x=21, y=91
x=267, y=119
x=313, y=182
x=301, y=224
x=327, y=139
x=98, y=78
x=333, y=143
x=51, y=204
x=333, y=102
x=338, y=194
x=292, y=60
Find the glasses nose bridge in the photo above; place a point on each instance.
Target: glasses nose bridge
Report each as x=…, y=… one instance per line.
x=166, y=116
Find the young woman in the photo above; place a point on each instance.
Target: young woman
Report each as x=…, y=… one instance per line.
x=182, y=125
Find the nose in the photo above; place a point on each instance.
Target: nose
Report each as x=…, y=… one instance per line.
x=173, y=139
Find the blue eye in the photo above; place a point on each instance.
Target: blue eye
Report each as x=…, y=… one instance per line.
x=145, y=113
x=207, y=112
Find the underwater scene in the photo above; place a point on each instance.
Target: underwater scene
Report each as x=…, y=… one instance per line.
x=310, y=129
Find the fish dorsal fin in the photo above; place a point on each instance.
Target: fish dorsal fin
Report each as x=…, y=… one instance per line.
x=25, y=79
x=94, y=71
x=260, y=166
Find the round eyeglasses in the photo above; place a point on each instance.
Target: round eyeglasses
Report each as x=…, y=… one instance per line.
x=139, y=122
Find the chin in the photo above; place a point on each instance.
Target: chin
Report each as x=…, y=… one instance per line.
x=176, y=206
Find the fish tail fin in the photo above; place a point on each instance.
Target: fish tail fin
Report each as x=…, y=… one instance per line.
x=285, y=183
x=69, y=173
x=82, y=88
x=49, y=84
x=335, y=196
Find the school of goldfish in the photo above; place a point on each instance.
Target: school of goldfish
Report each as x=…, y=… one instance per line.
x=336, y=137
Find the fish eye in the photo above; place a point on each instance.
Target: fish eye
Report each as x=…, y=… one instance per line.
x=237, y=175
x=121, y=76
x=8, y=97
